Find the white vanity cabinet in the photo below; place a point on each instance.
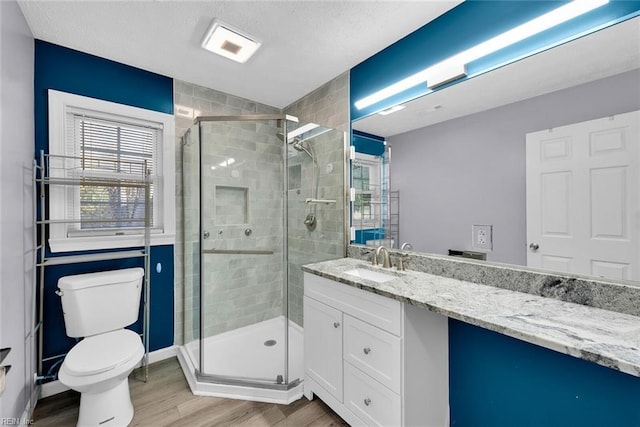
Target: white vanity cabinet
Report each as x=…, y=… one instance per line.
x=325, y=327
x=373, y=359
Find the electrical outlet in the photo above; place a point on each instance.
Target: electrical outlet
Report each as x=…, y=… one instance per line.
x=481, y=237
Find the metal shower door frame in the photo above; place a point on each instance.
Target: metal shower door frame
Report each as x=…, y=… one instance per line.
x=282, y=119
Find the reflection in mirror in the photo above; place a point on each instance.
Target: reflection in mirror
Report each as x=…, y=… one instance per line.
x=545, y=151
x=373, y=218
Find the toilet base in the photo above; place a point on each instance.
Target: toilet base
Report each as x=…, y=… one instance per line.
x=108, y=408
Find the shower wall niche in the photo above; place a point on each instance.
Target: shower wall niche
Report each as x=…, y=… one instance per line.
x=231, y=205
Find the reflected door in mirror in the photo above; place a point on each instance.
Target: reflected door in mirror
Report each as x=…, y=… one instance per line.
x=583, y=198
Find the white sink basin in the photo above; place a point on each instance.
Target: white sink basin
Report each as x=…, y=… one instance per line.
x=374, y=276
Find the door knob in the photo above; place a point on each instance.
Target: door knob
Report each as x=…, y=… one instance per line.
x=336, y=324
x=366, y=350
x=206, y=234
x=367, y=401
x=534, y=246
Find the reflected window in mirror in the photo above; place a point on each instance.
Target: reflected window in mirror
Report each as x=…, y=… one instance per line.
x=367, y=183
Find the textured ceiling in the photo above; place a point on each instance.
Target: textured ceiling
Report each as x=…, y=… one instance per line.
x=605, y=53
x=304, y=43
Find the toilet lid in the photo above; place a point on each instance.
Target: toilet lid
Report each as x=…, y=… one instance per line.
x=100, y=353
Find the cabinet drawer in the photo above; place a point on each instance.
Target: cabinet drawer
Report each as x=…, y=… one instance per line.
x=369, y=400
x=374, y=351
x=380, y=311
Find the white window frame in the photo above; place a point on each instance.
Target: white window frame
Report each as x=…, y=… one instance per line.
x=60, y=239
x=374, y=163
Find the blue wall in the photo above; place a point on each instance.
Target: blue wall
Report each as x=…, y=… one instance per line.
x=369, y=234
x=495, y=380
x=498, y=381
x=75, y=72
x=463, y=27
x=367, y=143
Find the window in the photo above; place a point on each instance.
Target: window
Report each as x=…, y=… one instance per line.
x=103, y=141
x=367, y=184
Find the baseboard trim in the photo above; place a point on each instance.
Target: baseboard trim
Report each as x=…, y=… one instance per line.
x=52, y=388
x=27, y=415
x=162, y=354
x=55, y=387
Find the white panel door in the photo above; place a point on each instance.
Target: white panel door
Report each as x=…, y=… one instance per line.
x=583, y=198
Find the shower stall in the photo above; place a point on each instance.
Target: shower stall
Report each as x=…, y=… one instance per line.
x=262, y=195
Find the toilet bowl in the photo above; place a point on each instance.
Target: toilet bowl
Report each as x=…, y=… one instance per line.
x=98, y=306
x=99, y=367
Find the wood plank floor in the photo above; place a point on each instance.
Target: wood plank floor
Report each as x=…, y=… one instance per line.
x=166, y=400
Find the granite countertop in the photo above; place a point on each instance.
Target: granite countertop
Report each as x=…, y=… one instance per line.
x=605, y=337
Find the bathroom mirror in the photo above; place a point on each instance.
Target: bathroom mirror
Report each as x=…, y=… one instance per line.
x=459, y=156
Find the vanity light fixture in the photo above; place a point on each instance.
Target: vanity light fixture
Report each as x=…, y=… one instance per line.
x=391, y=110
x=454, y=67
x=229, y=42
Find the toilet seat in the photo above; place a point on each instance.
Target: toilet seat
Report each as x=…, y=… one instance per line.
x=101, y=353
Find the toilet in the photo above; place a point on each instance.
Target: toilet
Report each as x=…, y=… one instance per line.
x=97, y=307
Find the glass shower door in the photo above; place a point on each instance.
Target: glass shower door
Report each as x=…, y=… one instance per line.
x=243, y=295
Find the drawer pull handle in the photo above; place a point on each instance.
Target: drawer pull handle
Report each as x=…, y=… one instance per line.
x=366, y=350
x=336, y=324
x=367, y=401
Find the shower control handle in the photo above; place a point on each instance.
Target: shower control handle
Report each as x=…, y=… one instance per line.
x=336, y=324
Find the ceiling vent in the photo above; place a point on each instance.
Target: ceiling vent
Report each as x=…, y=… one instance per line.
x=229, y=42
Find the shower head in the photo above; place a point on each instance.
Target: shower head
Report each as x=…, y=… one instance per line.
x=299, y=146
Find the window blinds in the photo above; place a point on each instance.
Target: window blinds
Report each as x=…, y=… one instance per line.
x=114, y=150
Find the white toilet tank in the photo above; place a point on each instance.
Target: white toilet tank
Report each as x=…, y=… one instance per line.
x=95, y=303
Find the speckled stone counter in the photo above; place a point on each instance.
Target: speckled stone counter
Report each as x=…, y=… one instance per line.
x=605, y=337
x=599, y=293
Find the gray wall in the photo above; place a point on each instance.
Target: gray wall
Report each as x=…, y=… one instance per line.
x=471, y=170
x=327, y=106
x=16, y=217
x=190, y=101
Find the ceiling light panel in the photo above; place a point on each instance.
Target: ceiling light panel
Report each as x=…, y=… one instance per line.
x=454, y=67
x=229, y=42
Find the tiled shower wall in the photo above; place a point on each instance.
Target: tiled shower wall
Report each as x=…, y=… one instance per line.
x=241, y=298
x=242, y=210
x=328, y=107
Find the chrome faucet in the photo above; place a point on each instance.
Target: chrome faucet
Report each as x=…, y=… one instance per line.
x=407, y=246
x=386, y=261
